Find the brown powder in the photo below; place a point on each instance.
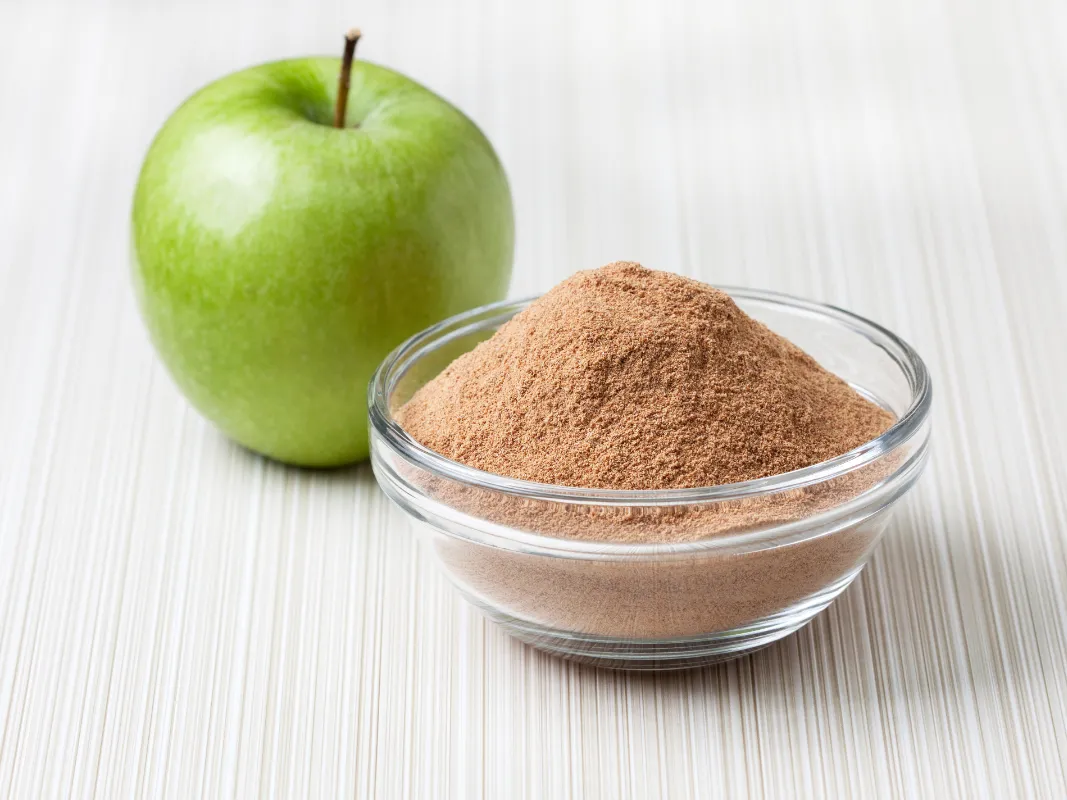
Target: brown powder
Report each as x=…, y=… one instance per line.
x=627, y=378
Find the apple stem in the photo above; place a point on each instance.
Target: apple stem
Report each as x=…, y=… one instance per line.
x=345, y=80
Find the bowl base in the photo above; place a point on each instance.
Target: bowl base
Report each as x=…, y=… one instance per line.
x=654, y=655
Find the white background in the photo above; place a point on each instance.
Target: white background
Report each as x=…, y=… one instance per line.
x=180, y=618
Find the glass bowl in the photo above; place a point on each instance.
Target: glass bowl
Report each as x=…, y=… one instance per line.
x=689, y=576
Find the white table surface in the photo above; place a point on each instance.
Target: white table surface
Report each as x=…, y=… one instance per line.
x=180, y=618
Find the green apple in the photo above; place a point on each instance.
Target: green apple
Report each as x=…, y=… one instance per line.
x=277, y=259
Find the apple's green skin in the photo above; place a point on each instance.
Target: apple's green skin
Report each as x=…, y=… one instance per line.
x=277, y=259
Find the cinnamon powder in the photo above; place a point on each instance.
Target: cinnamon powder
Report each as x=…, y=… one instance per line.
x=628, y=378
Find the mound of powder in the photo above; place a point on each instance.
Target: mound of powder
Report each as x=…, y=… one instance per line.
x=628, y=378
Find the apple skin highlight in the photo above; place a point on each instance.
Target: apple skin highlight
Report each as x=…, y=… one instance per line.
x=277, y=259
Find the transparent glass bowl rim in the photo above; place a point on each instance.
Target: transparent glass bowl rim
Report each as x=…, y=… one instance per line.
x=409, y=352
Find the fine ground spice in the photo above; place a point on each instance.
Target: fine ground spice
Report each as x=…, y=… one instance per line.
x=629, y=378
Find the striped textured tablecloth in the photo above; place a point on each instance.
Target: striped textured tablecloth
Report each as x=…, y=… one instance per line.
x=179, y=618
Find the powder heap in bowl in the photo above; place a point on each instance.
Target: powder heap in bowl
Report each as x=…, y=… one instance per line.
x=628, y=378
